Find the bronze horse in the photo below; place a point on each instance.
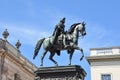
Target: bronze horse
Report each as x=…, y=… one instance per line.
x=72, y=36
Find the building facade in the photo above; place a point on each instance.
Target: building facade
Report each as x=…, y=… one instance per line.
x=13, y=65
x=105, y=63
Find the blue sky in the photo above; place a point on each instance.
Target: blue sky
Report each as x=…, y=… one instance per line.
x=31, y=20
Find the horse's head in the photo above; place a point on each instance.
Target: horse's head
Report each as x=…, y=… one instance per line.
x=81, y=28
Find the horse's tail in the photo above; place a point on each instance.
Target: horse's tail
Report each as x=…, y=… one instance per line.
x=38, y=45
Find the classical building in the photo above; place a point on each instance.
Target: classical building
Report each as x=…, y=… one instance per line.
x=105, y=63
x=13, y=65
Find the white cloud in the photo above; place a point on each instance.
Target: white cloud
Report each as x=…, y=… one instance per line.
x=26, y=35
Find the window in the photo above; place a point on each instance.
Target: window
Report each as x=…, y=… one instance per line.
x=15, y=76
x=106, y=77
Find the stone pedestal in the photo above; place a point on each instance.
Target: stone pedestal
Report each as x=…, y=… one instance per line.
x=73, y=72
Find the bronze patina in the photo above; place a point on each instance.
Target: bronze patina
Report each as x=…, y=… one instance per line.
x=61, y=40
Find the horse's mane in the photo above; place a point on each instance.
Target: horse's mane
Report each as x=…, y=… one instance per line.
x=70, y=31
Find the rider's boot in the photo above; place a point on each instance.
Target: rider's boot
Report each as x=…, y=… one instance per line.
x=65, y=45
x=64, y=42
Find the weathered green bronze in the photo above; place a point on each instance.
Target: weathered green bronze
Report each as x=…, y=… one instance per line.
x=61, y=40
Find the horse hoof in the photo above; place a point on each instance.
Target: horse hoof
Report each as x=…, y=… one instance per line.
x=56, y=65
x=41, y=65
x=69, y=64
x=81, y=59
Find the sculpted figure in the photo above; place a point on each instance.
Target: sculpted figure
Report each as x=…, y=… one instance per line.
x=60, y=30
x=57, y=42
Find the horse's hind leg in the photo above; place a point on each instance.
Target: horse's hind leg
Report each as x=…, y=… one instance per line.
x=51, y=58
x=42, y=57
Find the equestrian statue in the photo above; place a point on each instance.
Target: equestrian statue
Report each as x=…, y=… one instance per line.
x=61, y=40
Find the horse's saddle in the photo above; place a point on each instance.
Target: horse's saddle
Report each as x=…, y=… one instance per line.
x=60, y=40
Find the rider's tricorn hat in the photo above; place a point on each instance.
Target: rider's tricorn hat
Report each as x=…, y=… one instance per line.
x=62, y=20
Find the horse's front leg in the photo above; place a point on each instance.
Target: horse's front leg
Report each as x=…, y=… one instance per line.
x=82, y=54
x=78, y=48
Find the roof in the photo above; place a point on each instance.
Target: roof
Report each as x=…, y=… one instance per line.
x=101, y=48
x=5, y=46
x=103, y=58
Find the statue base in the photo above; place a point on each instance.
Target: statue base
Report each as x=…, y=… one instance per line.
x=73, y=72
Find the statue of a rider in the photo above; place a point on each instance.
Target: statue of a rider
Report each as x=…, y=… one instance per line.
x=60, y=30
